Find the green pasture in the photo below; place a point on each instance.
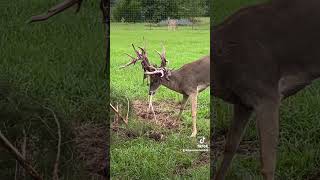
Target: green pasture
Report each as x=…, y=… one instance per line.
x=299, y=148
x=140, y=157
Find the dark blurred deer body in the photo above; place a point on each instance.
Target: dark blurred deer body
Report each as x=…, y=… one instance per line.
x=189, y=80
x=262, y=55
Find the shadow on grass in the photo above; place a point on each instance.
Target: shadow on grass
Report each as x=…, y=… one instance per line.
x=81, y=143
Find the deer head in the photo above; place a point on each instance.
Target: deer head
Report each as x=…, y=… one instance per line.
x=156, y=74
x=160, y=74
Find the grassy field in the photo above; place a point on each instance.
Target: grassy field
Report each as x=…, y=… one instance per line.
x=58, y=64
x=141, y=157
x=298, y=152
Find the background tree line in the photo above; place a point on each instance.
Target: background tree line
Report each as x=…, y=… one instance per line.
x=157, y=10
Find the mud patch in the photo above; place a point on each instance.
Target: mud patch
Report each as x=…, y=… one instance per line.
x=124, y=132
x=166, y=113
x=91, y=145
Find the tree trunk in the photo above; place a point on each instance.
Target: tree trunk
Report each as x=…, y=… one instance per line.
x=105, y=9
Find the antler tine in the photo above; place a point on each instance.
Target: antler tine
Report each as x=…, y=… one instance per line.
x=163, y=56
x=143, y=50
x=56, y=10
x=136, y=51
x=158, y=52
x=129, y=55
x=134, y=47
x=134, y=60
x=145, y=61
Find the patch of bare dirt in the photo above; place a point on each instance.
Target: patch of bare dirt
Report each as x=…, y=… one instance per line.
x=91, y=146
x=166, y=113
x=313, y=176
x=124, y=132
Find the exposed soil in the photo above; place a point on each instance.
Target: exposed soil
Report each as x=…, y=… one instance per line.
x=166, y=113
x=91, y=145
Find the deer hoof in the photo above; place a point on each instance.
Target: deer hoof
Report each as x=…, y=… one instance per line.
x=193, y=134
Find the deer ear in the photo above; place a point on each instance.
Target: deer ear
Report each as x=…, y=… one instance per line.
x=167, y=75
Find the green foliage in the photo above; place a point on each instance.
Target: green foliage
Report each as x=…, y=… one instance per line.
x=127, y=10
x=157, y=10
x=192, y=8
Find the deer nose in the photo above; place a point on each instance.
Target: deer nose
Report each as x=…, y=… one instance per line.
x=151, y=93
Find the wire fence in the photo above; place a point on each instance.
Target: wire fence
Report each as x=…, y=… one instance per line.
x=171, y=15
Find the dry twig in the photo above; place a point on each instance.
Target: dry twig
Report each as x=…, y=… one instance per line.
x=55, y=173
x=118, y=115
x=24, y=163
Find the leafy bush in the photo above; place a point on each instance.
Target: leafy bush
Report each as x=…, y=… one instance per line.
x=128, y=10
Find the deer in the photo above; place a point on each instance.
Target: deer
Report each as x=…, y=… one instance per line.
x=172, y=24
x=189, y=80
x=262, y=55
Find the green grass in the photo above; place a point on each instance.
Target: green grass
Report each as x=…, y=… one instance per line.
x=58, y=63
x=298, y=152
x=142, y=157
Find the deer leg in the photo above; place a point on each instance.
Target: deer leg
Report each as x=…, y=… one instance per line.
x=194, y=113
x=241, y=115
x=268, y=127
x=183, y=105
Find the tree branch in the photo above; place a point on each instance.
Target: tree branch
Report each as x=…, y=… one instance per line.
x=56, y=10
x=55, y=173
x=25, y=164
x=116, y=110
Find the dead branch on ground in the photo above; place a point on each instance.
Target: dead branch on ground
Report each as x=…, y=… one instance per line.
x=19, y=157
x=118, y=115
x=55, y=173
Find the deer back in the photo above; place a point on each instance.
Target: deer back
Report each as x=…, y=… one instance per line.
x=259, y=46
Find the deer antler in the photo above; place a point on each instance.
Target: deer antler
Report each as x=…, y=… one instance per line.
x=157, y=71
x=56, y=10
x=133, y=59
x=163, y=56
x=141, y=55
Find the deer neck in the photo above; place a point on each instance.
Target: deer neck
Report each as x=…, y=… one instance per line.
x=174, y=81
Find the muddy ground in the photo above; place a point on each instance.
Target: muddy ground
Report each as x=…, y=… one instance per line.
x=91, y=146
x=165, y=113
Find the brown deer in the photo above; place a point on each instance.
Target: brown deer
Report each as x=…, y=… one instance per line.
x=189, y=80
x=262, y=55
x=172, y=24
